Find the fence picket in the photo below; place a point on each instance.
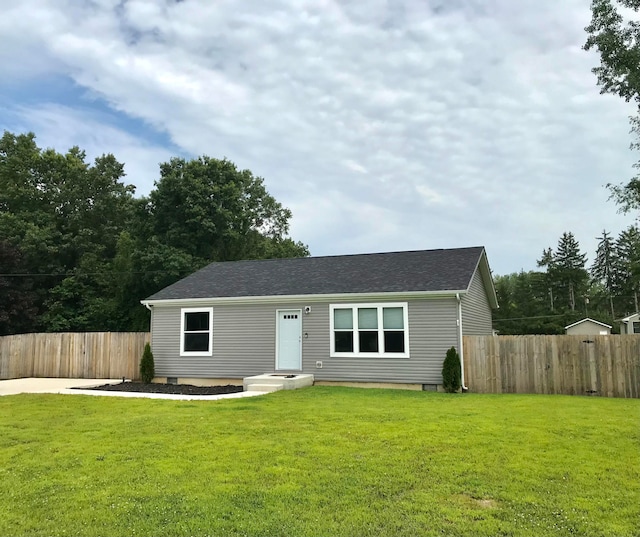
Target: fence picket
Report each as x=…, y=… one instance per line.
x=607, y=365
x=72, y=355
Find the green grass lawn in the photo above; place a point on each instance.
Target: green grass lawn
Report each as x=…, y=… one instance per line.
x=320, y=461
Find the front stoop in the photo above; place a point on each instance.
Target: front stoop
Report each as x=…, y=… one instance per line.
x=272, y=382
x=267, y=388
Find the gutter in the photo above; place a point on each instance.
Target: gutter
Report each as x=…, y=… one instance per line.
x=278, y=299
x=464, y=387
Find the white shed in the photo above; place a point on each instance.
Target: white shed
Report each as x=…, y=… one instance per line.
x=588, y=327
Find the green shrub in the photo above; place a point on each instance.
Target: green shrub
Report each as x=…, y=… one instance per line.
x=451, y=372
x=147, y=368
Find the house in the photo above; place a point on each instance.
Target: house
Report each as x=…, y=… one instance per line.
x=589, y=327
x=373, y=318
x=630, y=324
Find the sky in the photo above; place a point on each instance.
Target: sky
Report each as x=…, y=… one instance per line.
x=383, y=125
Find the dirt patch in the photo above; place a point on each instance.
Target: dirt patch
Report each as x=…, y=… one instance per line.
x=471, y=502
x=175, y=389
x=487, y=504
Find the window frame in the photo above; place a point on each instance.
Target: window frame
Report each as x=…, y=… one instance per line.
x=183, y=312
x=379, y=306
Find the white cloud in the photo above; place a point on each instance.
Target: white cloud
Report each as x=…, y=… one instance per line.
x=382, y=125
x=61, y=127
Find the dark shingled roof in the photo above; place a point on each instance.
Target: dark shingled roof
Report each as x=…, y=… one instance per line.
x=423, y=270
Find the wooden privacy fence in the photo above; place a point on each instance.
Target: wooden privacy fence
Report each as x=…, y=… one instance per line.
x=571, y=365
x=72, y=355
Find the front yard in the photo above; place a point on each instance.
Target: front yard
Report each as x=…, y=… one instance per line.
x=320, y=461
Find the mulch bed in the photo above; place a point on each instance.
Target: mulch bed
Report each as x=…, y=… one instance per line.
x=178, y=389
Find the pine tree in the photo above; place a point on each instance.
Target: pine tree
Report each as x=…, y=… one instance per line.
x=604, y=268
x=545, y=262
x=451, y=371
x=147, y=366
x=628, y=267
x=566, y=270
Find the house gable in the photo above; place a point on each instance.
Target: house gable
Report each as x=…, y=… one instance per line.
x=588, y=326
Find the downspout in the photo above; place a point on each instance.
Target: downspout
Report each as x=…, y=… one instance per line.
x=460, y=345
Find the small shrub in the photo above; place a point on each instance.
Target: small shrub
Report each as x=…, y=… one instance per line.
x=147, y=368
x=451, y=372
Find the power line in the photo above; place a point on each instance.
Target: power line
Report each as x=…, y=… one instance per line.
x=525, y=318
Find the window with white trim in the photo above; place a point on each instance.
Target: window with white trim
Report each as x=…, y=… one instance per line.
x=196, y=332
x=369, y=330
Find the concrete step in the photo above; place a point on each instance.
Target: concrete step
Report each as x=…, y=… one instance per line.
x=263, y=387
x=296, y=381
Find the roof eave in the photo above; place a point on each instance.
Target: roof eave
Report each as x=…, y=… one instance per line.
x=296, y=298
x=487, y=279
x=590, y=320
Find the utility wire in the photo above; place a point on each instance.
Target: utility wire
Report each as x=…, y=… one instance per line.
x=525, y=318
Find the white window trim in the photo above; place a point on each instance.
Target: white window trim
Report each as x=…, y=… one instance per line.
x=183, y=311
x=354, y=309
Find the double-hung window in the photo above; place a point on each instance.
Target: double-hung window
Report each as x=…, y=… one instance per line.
x=369, y=330
x=196, y=332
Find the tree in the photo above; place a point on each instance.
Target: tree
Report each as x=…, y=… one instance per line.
x=211, y=210
x=147, y=366
x=565, y=278
x=96, y=251
x=605, y=267
x=451, y=371
x=18, y=312
x=525, y=305
x=65, y=215
x=617, y=40
x=628, y=267
x=618, y=43
x=566, y=270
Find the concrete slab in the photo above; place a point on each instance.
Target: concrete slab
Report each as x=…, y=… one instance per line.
x=46, y=385
x=300, y=380
x=64, y=386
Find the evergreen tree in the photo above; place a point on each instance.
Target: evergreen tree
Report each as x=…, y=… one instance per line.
x=628, y=268
x=451, y=371
x=604, y=268
x=566, y=270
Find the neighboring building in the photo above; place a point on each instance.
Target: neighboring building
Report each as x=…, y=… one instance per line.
x=589, y=327
x=630, y=324
x=371, y=318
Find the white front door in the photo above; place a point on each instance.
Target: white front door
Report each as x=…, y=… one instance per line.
x=289, y=340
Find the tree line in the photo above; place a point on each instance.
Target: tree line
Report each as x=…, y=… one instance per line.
x=566, y=289
x=78, y=249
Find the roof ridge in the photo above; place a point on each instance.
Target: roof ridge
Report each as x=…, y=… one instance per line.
x=333, y=256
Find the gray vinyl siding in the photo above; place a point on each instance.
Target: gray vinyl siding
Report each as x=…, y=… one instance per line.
x=244, y=343
x=476, y=312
